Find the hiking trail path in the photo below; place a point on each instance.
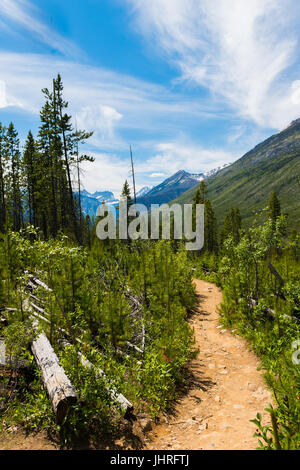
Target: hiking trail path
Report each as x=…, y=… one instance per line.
x=225, y=392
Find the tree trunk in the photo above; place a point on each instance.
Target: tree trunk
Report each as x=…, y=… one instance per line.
x=60, y=390
x=125, y=405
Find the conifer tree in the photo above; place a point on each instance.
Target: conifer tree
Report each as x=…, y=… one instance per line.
x=126, y=193
x=274, y=208
x=48, y=169
x=58, y=146
x=210, y=222
x=14, y=177
x=70, y=140
x=30, y=177
x=200, y=194
x=232, y=225
x=210, y=228
x=3, y=169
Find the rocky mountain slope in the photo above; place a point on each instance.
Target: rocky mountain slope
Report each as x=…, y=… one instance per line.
x=273, y=165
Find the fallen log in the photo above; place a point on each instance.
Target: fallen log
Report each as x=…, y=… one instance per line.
x=9, y=360
x=37, y=282
x=60, y=390
x=123, y=354
x=268, y=311
x=133, y=346
x=276, y=274
x=125, y=404
x=46, y=320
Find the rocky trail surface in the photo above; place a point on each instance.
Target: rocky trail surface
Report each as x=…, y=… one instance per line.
x=226, y=390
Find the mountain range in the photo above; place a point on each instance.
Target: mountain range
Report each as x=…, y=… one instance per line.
x=165, y=192
x=91, y=201
x=273, y=165
x=170, y=188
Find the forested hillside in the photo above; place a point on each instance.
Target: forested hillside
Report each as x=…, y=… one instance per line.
x=273, y=165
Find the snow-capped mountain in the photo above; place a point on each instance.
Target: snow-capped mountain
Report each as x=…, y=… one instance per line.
x=167, y=191
x=214, y=171
x=91, y=201
x=171, y=188
x=143, y=191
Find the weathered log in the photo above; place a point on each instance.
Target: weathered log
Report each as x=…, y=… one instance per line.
x=10, y=361
x=36, y=307
x=60, y=390
x=123, y=354
x=276, y=274
x=2, y=353
x=268, y=311
x=125, y=405
x=36, y=299
x=133, y=346
x=43, y=315
x=40, y=283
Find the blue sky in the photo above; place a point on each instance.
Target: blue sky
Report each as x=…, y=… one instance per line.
x=190, y=84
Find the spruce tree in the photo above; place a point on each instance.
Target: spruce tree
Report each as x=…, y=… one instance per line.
x=126, y=193
x=232, y=225
x=210, y=222
x=200, y=194
x=70, y=140
x=30, y=177
x=58, y=145
x=49, y=176
x=3, y=169
x=14, y=177
x=210, y=228
x=274, y=208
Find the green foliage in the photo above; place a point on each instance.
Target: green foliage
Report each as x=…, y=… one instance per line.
x=90, y=301
x=267, y=313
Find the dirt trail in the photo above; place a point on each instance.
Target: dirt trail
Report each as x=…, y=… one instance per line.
x=226, y=389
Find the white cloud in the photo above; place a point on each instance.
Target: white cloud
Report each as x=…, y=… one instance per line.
x=156, y=175
x=237, y=49
x=170, y=157
x=25, y=14
x=107, y=172
x=103, y=101
x=3, y=99
x=100, y=118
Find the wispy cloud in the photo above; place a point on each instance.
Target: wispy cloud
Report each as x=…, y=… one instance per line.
x=107, y=172
x=237, y=49
x=113, y=105
x=110, y=171
x=170, y=157
x=104, y=101
x=3, y=99
x=25, y=14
